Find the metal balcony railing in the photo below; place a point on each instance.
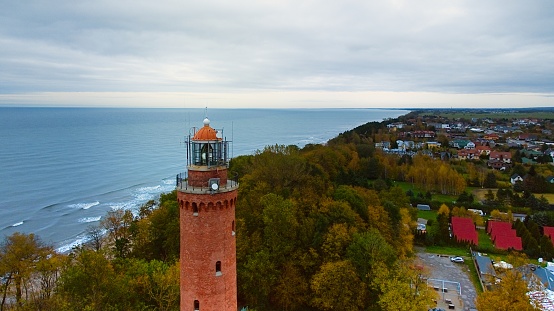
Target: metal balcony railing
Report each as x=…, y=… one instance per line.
x=182, y=184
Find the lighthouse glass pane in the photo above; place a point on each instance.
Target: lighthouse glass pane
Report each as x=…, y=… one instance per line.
x=195, y=153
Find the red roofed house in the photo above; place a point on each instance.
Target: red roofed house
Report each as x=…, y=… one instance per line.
x=464, y=230
x=549, y=232
x=503, y=236
x=483, y=150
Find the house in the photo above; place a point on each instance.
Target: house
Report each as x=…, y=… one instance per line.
x=491, y=136
x=460, y=143
x=405, y=144
x=531, y=154
x=470, y=145
x=395, y=126
x=385, y=145
x=505, y=157
x=423, y=134
x=527, y=137
x=466, y=154
x=433, y=144
x=515, y=178
x=483, y=150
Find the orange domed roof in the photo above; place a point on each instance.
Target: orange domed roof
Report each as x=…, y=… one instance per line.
x=206, y=133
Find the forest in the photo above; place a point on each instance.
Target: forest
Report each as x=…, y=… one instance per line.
x=323, y=227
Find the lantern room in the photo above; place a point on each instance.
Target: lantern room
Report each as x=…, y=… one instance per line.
x=207, y=147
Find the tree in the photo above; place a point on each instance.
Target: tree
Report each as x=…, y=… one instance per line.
x=280, y=226
x=292, y=289
x=510, y=295
x=336, y=241
x=367, y=250
x=96, y=237
x=403, y=287
x=117, y=223
x=337, y=287
x=164, y=285
x=490, y=180
x=89, y=282
x=19, y=256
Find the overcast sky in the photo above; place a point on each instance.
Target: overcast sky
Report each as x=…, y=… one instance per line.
x=278, y=53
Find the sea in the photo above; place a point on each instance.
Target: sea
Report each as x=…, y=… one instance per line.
x=63, y=169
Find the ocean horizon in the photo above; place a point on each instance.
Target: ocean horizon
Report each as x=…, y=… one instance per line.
x=63, y=169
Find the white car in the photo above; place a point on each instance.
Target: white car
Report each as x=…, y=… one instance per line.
x=457, y=259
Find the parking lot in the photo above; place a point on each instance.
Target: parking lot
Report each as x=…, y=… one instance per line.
x=446, y=274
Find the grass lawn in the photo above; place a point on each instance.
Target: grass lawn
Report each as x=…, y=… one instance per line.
x=429, y=215
x=484, y=239
x=444, y=198
x=435, y=197
x=448, y=250
x=473, y=276
x=479, y=194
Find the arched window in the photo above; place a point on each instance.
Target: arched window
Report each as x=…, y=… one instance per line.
x=194, y=209
x=196, y=305
x=233, y=228
x=218, y=268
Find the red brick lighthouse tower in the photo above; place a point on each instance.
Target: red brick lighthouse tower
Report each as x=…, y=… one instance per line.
x=207, y=218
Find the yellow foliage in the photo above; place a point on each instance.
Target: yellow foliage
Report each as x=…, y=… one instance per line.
x=510, y=295
x=444, y=210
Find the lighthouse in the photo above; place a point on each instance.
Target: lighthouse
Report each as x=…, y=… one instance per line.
x=207, y=199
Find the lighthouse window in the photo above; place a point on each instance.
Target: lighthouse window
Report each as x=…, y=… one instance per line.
x=194, y=209
x=218, y=268
x=233, y=228
x=196, y=157
x=196, y=305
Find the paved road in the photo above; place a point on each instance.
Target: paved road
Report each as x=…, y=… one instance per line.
x=442, y=268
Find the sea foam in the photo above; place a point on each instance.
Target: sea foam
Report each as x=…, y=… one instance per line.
x=83, y=205
x=89, y=219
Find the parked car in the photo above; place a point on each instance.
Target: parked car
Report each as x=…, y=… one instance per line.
x=457, y=259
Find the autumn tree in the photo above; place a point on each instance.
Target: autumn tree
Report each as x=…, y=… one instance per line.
x=509, y=295
x=89, y=282
x=337, y=287
x=369, y=248
x=117, y=223
x=20, y=255
x=403, y=287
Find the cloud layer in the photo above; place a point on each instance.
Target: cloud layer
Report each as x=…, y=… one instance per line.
x=462, y=47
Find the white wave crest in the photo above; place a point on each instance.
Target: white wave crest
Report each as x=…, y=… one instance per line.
x=150, y=189
x=68, y=247
x=89, y=219
x=121, y=205
x=17, y=224
x=84, y=205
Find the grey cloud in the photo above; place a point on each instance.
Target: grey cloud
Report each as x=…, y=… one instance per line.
x=437, y=46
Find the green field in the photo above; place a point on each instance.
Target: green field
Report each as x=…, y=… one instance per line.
x=429, y=215
x=448, y=250
x=479, y=194
x=416, y=190
x=484, y=239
